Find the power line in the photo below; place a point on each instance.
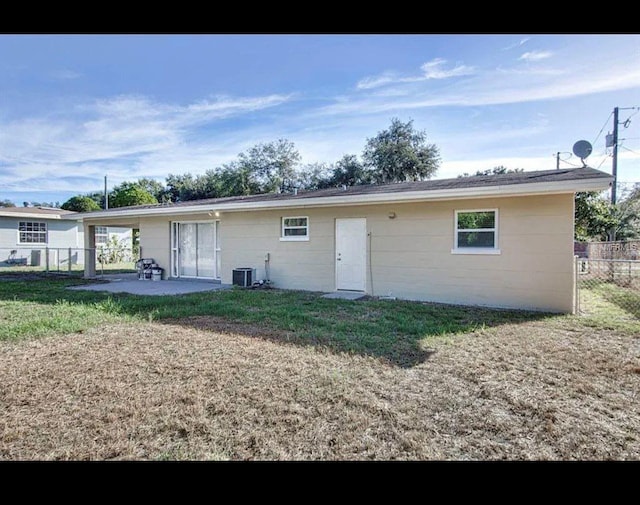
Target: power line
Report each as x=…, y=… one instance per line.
x=601, y=129
x=572, y=164
x=630, y=150
x=603, y=160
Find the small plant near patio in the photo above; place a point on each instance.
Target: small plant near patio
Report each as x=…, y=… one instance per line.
x=114, y=251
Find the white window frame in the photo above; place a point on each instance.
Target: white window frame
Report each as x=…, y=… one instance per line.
x=105, y=235
x=475, y=250
x=45, y=232
x=294, y=238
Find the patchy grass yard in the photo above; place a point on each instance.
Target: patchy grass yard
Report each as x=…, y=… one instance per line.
x=287, y=375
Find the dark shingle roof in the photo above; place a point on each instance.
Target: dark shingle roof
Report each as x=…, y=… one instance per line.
x=574, y=174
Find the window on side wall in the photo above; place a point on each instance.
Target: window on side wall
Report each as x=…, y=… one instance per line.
x=102, y=235
x=32, y=232
x=295, y=228
x=476, y=232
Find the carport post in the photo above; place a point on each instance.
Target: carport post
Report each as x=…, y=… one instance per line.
x=89, y=251
x=46, y=259
x=69, y=261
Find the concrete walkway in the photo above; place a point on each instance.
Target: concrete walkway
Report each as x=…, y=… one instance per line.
x=345, y=295
x=129, y=283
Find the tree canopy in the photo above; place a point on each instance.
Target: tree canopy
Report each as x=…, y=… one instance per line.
x=80, y=204
x=7, y=203
x=500, y=169
x=128, y=194
x=401, y=153
x=597, y=219
x=397, y=154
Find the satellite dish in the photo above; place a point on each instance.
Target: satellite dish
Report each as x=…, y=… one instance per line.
x=582, y=149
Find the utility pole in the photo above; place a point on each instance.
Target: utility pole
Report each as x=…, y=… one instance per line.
x=558, y=160
x=614, y=166
x=106, y=195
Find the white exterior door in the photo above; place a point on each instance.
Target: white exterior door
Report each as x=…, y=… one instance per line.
x=351, y=254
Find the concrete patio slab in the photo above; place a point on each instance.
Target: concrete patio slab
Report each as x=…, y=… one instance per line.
x=121, y=284
x=345, y=295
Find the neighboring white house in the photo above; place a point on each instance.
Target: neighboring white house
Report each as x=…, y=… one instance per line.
x=28, y=234
x=498, y=240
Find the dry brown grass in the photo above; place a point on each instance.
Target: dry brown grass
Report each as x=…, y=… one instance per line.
x=206, y=389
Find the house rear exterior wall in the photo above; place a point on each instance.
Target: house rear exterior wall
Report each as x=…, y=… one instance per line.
x=155, y=237
x=410, y=256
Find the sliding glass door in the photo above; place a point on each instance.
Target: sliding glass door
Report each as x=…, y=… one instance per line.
x=195, y=249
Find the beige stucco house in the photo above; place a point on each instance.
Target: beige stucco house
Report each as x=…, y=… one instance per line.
x=500, y=240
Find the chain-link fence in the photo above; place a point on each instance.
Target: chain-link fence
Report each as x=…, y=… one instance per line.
x=69, y=260
x=608, y=286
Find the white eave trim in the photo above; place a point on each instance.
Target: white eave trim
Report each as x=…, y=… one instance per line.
x=535, y=188
x=34, y=215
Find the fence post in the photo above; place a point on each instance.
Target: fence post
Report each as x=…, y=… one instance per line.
x=46, y=259
x=576, y=278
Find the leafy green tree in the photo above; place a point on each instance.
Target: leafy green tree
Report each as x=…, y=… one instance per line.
x=400, y=153
x=53, y=205
x=98, y=197
x=273, y=165
x=180, y=188
x=314, y=176
x=236, y=179
x=128, y=194
x=7, y=203
x=154, y=188
x=80, y=204
x=593, y=217
x=349, y=171
x=500, y=169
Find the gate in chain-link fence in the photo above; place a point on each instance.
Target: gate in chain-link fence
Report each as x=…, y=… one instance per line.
x=610, y=286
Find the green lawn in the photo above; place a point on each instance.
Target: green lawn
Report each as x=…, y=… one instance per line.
x=284, y=375
x=390, y=329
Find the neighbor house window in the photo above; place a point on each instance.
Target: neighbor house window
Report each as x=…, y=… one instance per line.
x=476, y=232
x=102, y=234
x=295, y=228
x=32, y=232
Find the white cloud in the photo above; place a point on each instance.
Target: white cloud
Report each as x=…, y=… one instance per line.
x=517, y=44
x=433, y=69
x=128, y=136
x=375, y=81
x=535, y=55
x=500, y=86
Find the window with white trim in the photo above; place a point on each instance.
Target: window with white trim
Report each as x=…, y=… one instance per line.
x=102, y=234
x=32, y=232
x=476, y=231
x=295, y=228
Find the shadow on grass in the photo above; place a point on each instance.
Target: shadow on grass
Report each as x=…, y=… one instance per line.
x=397, y=332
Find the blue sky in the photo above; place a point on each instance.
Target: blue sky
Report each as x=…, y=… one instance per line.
x=74, y=108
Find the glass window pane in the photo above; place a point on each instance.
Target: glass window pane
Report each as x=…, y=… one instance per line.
x=473, y=220
x=295, y=221
x=206, y=250
x=476, y=239
x=295, y=232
